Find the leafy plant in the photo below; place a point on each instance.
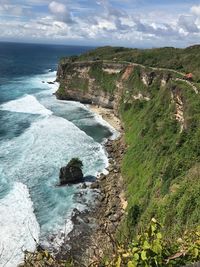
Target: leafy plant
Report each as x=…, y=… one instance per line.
x=43, y=258
x=150, y=249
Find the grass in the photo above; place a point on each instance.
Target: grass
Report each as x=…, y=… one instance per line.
x=183, y=60
x=78, y=83
x=161, y=164
x=61, y=90
x=104, y=80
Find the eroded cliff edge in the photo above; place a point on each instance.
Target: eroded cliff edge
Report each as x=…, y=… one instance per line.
x=82, y=81
x=160, y=112
x=107, y=83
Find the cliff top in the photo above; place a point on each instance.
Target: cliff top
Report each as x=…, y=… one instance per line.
x=183, y=60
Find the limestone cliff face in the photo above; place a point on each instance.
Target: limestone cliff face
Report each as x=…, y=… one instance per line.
x=107, y=84
x=78, y=82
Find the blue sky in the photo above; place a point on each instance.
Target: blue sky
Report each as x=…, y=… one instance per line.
x=133, y=23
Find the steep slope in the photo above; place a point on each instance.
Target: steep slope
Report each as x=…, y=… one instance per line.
x=161, y=115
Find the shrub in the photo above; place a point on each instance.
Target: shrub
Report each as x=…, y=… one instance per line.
x=150, y=249
x=43, y=258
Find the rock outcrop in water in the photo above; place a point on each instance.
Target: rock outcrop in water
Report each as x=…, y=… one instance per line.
x=72, y=173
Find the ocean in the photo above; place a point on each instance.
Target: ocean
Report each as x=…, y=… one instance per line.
x=38, y=135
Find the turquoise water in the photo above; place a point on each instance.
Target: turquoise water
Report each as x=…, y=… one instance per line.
x=38, y=135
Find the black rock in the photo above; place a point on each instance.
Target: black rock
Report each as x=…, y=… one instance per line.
x=72, y=173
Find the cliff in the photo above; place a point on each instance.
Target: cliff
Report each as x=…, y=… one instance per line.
x=107, y=83
x=160, y=112
x=89, y=82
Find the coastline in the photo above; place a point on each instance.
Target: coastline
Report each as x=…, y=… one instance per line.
x=94, y=229
x=107, y=115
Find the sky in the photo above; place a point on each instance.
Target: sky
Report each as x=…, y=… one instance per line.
x=131, y=23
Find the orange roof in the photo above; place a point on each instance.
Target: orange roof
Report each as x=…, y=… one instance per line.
x=189, y=75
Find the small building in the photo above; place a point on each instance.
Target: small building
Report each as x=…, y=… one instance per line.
x=189, y=76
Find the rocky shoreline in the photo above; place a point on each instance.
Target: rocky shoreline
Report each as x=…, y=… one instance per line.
x=94, y=229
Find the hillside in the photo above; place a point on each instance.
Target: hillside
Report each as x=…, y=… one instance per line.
x=184, y=60
x=160, y=112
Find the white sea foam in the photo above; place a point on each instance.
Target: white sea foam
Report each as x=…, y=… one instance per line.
x=40, y=81
x=26, y=104
x=58, y=235
x=18, y=226
x=100, y=120
x=49, y=143
x=35, y=157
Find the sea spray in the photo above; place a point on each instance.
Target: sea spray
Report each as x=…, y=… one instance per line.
x=19, y=229
x=26, y=104
x=38, y=135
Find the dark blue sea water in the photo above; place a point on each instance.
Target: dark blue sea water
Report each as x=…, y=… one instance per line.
x=38, y=135
x=25, y=60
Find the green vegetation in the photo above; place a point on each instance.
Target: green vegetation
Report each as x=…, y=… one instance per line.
x=161, y=164
x=104, y=80
x=184, y=60
x=150, y=249
x=134, y=84
x=78, y=84
x=61, y=90
x=42, y=258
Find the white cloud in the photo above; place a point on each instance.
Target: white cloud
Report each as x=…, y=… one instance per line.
x=11, y=10
x=60, y=12
x=57, y=8
x=196, y=10
x=102, y=22
x=187, y=23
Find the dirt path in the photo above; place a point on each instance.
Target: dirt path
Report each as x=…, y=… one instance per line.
x=132, y=64
x=189, y=83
